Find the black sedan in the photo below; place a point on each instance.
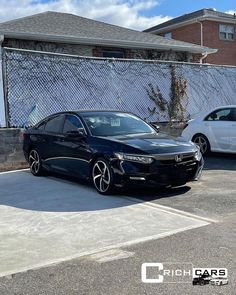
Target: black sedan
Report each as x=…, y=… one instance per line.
x=112, y=148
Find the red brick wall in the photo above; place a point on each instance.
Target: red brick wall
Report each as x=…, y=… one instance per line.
x=226, y=54
x=190, y=33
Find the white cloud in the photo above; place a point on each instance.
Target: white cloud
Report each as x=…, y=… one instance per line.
x=231, y=11
x=126, y=13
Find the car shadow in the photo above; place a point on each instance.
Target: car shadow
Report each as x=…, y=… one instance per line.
x=136, y=192
x=151, y=194
x=56, y=193
x=220, y=161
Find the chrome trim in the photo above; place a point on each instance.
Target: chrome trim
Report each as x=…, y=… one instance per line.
x=69, y=158
x=136, y=178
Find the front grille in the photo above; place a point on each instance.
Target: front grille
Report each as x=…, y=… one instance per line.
x=173, y=172
x=170, y=159
x=173, y=161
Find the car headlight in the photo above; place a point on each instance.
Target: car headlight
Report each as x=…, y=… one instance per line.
x=134, y=158
x=197, y=154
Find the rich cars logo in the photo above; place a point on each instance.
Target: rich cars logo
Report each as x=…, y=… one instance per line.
x=180, y=272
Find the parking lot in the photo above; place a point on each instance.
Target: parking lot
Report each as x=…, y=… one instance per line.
x=50, y=220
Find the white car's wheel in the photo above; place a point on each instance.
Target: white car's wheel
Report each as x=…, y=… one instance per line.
x=203, y=143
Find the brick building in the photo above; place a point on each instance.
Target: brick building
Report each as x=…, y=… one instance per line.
x=72, y=34
x=205, y=27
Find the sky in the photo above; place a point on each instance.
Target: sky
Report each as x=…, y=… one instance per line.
x=134, y=14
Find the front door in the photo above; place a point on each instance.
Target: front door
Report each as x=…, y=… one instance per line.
x=218, y=125
x=75, y=151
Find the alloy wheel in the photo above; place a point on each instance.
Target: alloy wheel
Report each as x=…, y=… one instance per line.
x=101, y=176
x=202, y=143
x=34, y=162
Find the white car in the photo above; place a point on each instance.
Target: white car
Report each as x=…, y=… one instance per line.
x=214, y=131
x=219, y=281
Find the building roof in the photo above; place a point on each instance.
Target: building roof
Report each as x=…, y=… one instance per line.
x=191, y=17
x=70, y=28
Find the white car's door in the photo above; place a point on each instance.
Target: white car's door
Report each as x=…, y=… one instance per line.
x=233, y=132
x=218, y=125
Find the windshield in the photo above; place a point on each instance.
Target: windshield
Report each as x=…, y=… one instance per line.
x=114, y=124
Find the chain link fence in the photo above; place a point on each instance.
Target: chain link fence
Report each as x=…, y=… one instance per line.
x=39, y=84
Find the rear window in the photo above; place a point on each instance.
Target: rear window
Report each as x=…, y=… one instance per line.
x=54, y=125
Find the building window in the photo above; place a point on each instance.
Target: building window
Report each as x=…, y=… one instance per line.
x=113, y=53
x=168, y=35
x=226, y=32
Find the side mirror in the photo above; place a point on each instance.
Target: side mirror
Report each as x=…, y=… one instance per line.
x=156, y=127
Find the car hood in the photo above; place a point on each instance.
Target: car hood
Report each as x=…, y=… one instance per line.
x=156, y=143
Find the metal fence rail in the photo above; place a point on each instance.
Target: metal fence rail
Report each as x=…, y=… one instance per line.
x=40, y=84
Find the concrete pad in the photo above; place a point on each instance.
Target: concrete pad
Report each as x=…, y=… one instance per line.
x=44, y=220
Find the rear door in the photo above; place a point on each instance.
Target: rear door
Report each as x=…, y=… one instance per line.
x=52, y=137
x=37, y=139
x=218, y=125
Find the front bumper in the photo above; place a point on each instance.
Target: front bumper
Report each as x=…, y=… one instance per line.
x=157, y=174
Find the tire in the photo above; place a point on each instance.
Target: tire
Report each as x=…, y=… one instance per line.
x=201, y=283
x=102, y=176
x=35, y=163
x=203, y=142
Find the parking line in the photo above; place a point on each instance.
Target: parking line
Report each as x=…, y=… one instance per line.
x=171, y=210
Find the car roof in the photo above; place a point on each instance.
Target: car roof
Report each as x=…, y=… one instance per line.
x=101, y=111
x=80, y=112
x=225, y=106
x=89, y=111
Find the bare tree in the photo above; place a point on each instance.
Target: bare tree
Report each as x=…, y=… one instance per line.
x=173, y=109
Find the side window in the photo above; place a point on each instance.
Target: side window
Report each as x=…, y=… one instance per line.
x=72, y=123
x=221, y=115
x=55, y=124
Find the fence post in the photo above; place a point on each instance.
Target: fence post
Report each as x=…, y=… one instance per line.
x=3, y=122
